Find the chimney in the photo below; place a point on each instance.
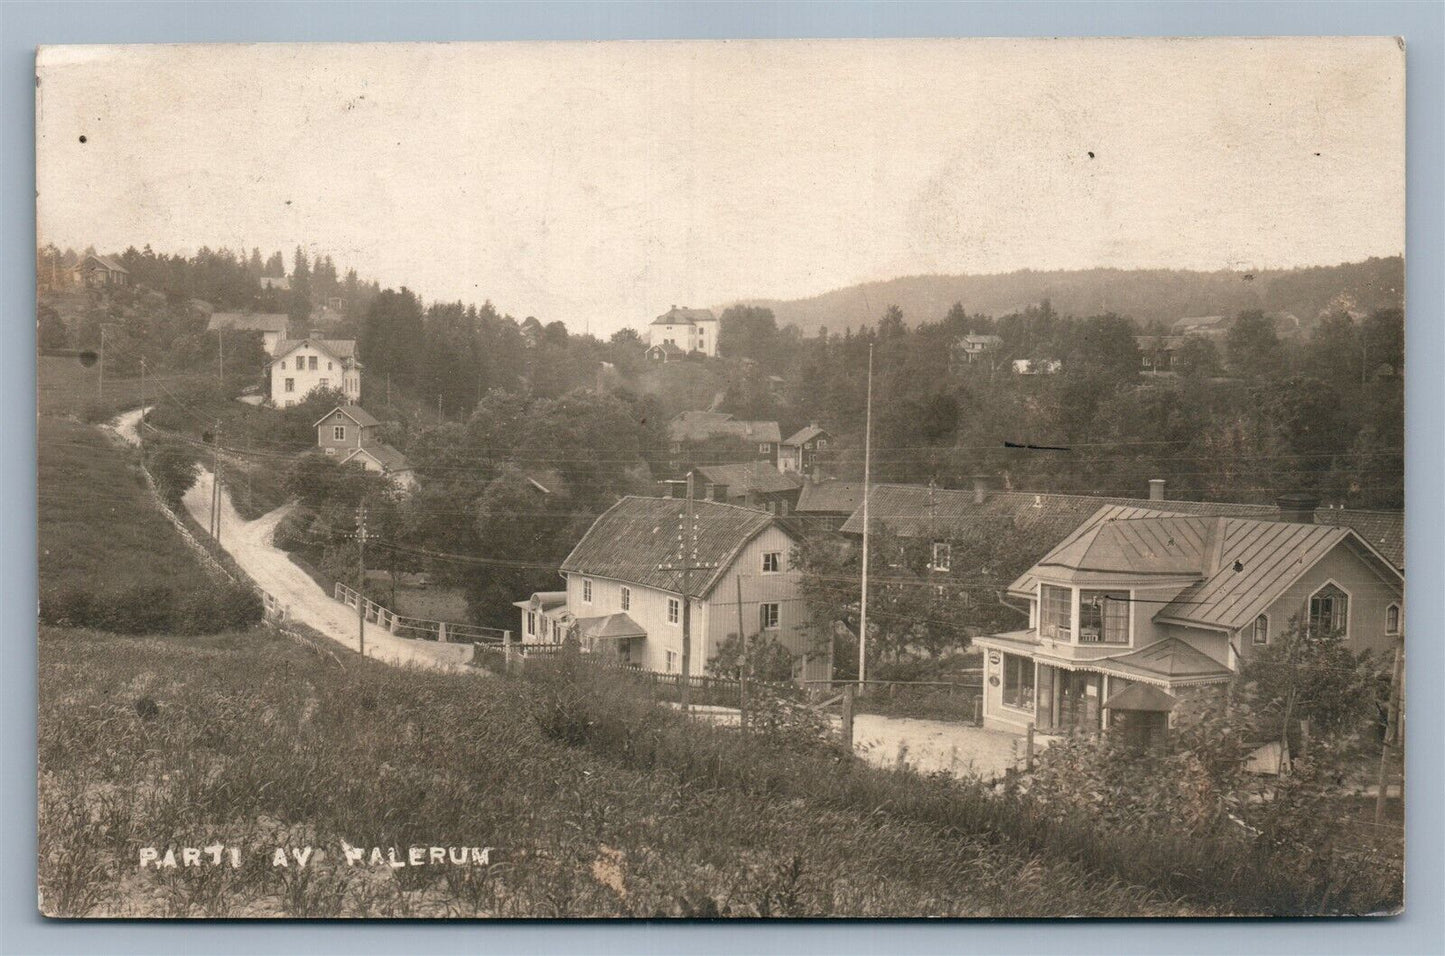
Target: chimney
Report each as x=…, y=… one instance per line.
x=1156, y=489
x=1297, y=508
x=980, y=488
x=719, y=492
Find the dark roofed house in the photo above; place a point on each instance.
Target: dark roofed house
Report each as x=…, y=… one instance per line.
x=825, y=504
x=1157, y=353
x=799, y=452
x=626, y=596
x=99, y=271
x=664, y=352
x=752, y=484
x=705, y=436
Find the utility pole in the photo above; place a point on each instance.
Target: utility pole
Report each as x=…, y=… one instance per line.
x=867, y=468
x=221, y=343
x=140, y=426
x=687, y=563
x=361, y=538
x=100, y=382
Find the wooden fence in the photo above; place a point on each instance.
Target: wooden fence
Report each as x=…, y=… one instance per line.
x=415, y=628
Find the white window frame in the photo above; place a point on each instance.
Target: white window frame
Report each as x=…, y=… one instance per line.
x=626, y=598
x=1254, y=632
x=338, y=433
x=674, y=611
x=671, y=662
x=770, y=616
x=532, y=623
x=946, y=549
x=290, y=385
x=1392, y=608
x=1073, y=614
x=777, y=559
x=325, y=382
x=1033, y=684
x=1078, y=623
x=1349, y=603
x=586, y=590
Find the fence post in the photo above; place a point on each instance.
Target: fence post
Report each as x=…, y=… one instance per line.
x=506, y=652
x=978, y=710
x=848, y=718
x=1029, y=753
x=441, y=632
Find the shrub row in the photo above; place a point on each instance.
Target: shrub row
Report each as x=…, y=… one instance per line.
x=152, y=609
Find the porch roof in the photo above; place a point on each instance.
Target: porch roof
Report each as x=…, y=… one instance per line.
x=1142, y=697
x=1171, y=660
x=613, y=627
x=1024, y=642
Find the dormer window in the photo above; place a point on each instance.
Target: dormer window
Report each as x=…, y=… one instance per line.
x=1056, y=617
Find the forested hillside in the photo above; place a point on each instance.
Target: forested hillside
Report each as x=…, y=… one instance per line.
x=1145, y=295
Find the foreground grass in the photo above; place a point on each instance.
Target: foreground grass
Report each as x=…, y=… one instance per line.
x=254, y=740
x=99, y=528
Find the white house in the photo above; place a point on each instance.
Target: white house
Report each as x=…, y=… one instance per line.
x=691, y=330
x=301, y=365
x=272, y=326
x=624, y=592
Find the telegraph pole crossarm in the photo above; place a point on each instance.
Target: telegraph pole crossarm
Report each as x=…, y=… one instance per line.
x=362, y=536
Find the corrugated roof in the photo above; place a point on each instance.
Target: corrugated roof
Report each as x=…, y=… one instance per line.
x=805, y=435
x=636, y=537
x=700, y=426
x=830, y=496
x=248, y=321
x=757, y=477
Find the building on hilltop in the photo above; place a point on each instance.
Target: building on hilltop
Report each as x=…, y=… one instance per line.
x=624, y=596
x=99, y=271
x=691, y=330
x=299, y=366
x=272, y=326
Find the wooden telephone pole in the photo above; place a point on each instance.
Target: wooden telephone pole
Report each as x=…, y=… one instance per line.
x=687, y=563
x=362, y=536
x=867, y=468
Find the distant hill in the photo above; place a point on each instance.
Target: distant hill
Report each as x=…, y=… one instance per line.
x=1141, y=294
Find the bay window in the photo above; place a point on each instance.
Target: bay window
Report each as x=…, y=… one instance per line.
x=1103, y=617
x=1056, y=617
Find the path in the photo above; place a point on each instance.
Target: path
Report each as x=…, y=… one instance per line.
x=929, y=746
x=249, y=543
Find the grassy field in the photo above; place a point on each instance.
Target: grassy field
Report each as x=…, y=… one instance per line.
x=98, y=526
x=66, y=386
x=256, y=741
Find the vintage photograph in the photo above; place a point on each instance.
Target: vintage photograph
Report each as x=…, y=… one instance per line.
x=702, y=479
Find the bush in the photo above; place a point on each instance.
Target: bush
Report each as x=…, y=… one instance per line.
x=152, y=609
x=229, y=607
x=174, y=467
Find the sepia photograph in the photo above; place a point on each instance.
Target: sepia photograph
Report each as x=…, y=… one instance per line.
x=702, y=479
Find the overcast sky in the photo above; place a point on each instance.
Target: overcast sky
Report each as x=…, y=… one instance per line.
x=601, y=183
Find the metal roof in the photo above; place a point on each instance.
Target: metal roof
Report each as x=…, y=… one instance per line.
x=613, y=627
x=388, y=457
x=676, y=316
x=354, y=412
x=1171, y=660
x=805, y=435
x=1142, y=697
x=634, y=539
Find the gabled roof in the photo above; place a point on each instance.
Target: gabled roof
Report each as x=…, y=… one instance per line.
x=635, y=538
x=1383, y=530
x=700, y=426
x=981, y=341
x=1240, y=565
x=343, y=350
x=805, y=435
x=542, y=601
x=830, y=496
x=384, y=455
x=668, y=349
x=676, y=316
x=354, y=412
x=249, y=321
x=105, y=262
x=757, y=477
x=1142, y=697
x=1201, y=323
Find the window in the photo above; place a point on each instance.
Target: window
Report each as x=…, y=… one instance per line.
x=1055, y=616
x=1261, y=629
x=822, y=443
x=942, y=556
x=339, y=433
x=764, y=447
x=300, y=363
x=1018, y=682
x=587, y=590
x=290, y=385
x=626, y=598
x=325, y=382
x=772, y=562
x=1329, y=611
x=531, y=622
x=673, y=610
x=1103, y=617
x=1392, y=619
x=768, y=616
x=328, y=367
x=671, y=662
x=311, y=363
